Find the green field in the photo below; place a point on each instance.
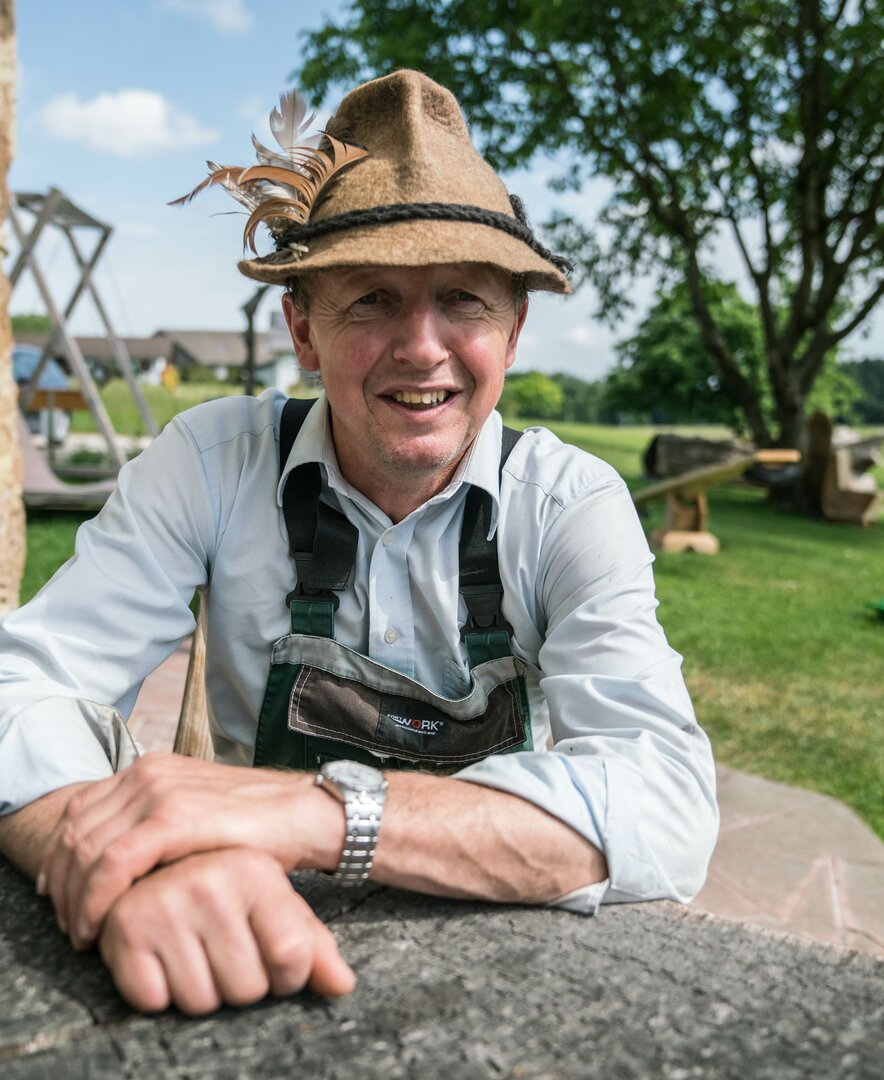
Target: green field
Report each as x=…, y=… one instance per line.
x=783, y=660
x=164, y=404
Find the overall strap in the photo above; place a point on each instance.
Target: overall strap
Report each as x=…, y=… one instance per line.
x=486, y=634
x=323, y=544
x=314, y=528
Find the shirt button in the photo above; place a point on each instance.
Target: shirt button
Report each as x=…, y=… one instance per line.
x=391, y=636
x=388, y=538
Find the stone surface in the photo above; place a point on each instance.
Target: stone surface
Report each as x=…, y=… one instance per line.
x=451, y=989
x=794, y=860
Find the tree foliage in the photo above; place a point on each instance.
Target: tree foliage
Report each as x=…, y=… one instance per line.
x=666, y=374
x=756, y=119
x=868, y=375
x=532, y=394
x=31, y=324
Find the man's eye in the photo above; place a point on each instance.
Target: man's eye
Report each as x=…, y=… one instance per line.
x=467, y=297
x=369, y=298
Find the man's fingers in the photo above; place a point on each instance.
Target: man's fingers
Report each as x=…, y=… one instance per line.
x=91, y=819
x=237, y=965
x=189, y=975
x=332, y=975
x=138, y=975
x=91, y=891
x=298, y=949
x=79, y=803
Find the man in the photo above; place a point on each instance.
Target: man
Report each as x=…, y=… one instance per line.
x=432, y=600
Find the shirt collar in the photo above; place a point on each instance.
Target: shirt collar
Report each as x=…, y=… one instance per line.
x=480, y=466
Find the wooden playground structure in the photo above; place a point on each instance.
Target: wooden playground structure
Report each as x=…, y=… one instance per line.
x=53, y=210
x=685, y=527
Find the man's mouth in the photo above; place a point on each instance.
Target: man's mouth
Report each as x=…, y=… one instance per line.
x=420, y=399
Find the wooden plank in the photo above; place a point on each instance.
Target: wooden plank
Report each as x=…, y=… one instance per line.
x=69, y=400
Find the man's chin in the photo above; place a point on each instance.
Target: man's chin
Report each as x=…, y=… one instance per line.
x=424, y=458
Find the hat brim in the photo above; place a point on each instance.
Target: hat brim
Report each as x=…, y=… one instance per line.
x=412, y=243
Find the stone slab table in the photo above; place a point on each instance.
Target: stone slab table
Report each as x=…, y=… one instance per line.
x=466, y=990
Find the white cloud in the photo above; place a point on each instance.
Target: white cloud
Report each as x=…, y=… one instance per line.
x=582, y=335
x=127, y=123
x=229, y=16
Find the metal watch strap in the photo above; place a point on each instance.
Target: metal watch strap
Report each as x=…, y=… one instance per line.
x=363, y=812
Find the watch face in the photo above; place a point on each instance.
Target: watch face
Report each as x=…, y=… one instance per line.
x=352, y=774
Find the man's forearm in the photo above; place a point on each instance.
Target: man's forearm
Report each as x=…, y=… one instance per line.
x=23, y=835
x=453, y=838
x=439, y=835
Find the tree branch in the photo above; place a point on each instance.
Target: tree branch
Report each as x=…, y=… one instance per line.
x=740, y=389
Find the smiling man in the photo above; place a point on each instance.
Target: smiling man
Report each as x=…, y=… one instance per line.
x=432, y=653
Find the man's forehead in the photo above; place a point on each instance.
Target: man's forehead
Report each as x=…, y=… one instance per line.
x=349, y=276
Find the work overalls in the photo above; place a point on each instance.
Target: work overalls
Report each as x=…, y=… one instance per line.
x=325, y=701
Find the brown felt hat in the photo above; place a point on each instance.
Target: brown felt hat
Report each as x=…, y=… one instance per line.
x=422, y=195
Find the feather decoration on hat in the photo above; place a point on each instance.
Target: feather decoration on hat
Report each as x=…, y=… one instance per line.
x=283, y=188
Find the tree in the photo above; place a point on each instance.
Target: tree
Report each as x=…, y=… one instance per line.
x=759, y=119
x=666, y=372
x=12, y=518
x=582, y=401
x=532, y=394
x=868, y=376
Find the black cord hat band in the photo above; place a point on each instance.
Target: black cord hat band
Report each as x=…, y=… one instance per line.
x=433, y=211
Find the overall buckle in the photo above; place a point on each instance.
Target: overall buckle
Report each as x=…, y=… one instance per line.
x=312, y=611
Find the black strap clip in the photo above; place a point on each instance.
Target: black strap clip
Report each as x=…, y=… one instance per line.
x=303, y=594
x=483, y=610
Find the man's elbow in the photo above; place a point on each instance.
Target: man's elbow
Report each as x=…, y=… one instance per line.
x=663, y=852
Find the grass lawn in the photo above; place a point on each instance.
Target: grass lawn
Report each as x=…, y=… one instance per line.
x=164, y=404
x=783, y=661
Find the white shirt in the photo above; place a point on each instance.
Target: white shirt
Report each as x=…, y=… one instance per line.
x=630, y=770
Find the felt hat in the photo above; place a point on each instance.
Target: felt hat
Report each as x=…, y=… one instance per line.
x=417, y=193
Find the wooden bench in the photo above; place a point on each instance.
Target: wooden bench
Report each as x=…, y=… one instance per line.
x=840, y=484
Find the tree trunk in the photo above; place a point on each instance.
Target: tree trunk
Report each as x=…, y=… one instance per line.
x=12, y=515
x=789, y=407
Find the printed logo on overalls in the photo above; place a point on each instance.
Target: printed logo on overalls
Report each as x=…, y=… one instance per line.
x=413, y=725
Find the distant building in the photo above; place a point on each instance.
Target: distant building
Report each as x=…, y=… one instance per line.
x=223, y=352
x=98, y=354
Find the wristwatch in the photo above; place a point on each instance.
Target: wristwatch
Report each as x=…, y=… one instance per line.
x=362, y=790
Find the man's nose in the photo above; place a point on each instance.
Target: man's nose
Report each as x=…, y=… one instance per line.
x=420, y=338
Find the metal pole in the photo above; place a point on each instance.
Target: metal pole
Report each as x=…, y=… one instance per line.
x=249, y=308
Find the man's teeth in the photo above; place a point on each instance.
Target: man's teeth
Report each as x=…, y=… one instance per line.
x=427, y=397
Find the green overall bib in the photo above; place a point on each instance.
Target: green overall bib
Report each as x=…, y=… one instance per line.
x=325, y=701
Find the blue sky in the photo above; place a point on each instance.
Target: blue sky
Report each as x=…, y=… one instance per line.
x=120, y=104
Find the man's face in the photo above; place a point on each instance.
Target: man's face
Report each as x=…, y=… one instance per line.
x=412, y=360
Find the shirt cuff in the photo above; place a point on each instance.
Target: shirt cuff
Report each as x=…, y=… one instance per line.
x=59, y=741
x=583, y=901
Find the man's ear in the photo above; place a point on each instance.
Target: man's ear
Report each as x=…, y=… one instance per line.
x=299, y=327
x=521, y=315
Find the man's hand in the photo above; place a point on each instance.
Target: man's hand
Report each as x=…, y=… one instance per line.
x=218, y=928
x=165, y=807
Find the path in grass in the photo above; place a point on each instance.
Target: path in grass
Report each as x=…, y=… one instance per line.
x=783, y=661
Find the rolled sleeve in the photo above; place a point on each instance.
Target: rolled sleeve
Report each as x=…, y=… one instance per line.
x=60, y=741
